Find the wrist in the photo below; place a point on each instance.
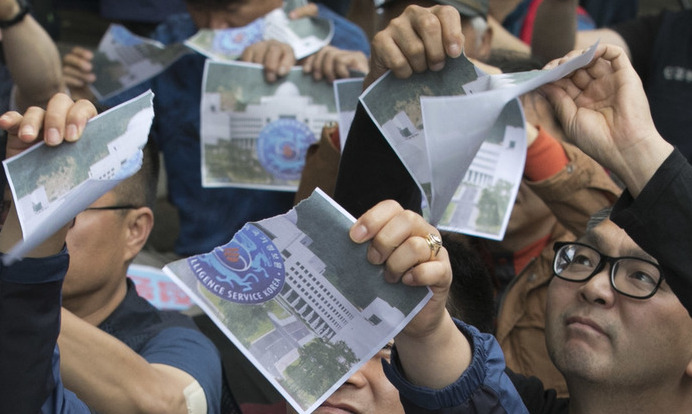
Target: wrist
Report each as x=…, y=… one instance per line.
x=641, y=163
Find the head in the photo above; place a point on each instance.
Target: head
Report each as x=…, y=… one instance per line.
x=601, y=339
x=478, y=35
x=224, y=14
x=368, y=391
x=103, y=242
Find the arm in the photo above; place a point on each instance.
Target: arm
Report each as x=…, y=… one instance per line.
x=112, y=378
x=32, y=59
x=438, y=364
x=555, y=31
x=605, y=113
x=30, y=290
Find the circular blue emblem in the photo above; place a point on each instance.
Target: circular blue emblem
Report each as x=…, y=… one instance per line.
x=281, y=148
x=233, y=41
x=248, y=269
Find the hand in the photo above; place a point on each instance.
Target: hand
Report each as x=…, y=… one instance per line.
x=398, y=240
x=332, y=63
x=276, y=57
x=63, y=120
x=604, y=111
x=308, y=10
x=78, y=73
x=432, y=351
x=417, y=40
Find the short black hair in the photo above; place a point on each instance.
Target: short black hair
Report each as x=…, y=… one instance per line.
x=140, y=189
x=211, y=4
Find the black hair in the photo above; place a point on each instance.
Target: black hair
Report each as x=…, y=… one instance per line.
x=140, y=189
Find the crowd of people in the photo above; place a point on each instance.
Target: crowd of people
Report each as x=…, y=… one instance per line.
x=585, y=306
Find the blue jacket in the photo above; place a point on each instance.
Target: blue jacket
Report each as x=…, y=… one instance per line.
x=483, y=388
x=209, y=217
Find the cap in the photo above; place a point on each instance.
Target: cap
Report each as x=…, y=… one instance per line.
x=468, y=8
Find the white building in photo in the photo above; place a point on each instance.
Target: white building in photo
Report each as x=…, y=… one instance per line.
x=321, y=306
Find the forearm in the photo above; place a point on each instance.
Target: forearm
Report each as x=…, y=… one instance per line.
x=436, y=360
x=554, y=30
x=111, y=378
x=34, y=63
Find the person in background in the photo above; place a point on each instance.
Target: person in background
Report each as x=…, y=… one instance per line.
x=176, y=127
x=118, y=353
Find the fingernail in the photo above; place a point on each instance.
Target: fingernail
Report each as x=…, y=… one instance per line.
x=71, y=132
x=283, y=70
x=454, y=50
x=374, y=256
x=358, y=233
x=27, y=130
x=407, y=279
x=437, y=66
x=52, y=136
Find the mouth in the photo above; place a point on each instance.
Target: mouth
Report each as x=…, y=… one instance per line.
x=328, y=408
x=585, y=323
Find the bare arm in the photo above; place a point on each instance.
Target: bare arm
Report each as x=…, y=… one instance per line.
x=32, y=59
x=111, y=378
x=555, y=31
x=604, y=111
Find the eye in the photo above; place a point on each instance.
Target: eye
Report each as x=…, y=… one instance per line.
x=642, y=278
x=581, y=259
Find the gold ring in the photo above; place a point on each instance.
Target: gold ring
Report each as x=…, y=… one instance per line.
x=435, y=243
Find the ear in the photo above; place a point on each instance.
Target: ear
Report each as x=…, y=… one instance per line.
x=139, y=224
x=486, y=44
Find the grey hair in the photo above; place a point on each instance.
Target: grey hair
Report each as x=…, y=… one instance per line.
x=598, y=217
x=480, y=25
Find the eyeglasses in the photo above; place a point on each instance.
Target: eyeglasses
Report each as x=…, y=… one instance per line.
x=106, y=208
x=630, y=276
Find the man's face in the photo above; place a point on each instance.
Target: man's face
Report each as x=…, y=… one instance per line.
x=237, y=13
x=599, y=336
x=368, y=391
x=96, y=243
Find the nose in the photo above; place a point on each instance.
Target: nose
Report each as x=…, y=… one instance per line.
x=598, y=289
x=360, y=378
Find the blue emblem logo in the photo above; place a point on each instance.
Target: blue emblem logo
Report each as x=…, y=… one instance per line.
x=233, y=41
x=281, y=148
x=249, y=269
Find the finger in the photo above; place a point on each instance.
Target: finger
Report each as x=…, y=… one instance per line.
x=408, y=32
x=324, y=65
x=411, y=252
x=388, y=56
x=342, y=68
x=452, y=35
x=308, y=63
x=55, y=119
x=434, y=273
x=76, y=78
x=373, y=220
x=77, y=117
x=30, y=125
x=9, y=121
x=395, y=233
x=308, y=10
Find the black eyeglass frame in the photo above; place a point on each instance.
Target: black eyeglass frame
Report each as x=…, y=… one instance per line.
x=605, y=259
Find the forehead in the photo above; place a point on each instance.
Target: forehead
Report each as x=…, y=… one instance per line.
x=611, y=240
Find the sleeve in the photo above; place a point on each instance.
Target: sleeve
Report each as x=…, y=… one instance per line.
x=30, y=300
x=370, y=171
x=189, y=350
x=659, y=220
x=577, y=191
x=347, y=35
x=483, y=388
x=640, y=35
